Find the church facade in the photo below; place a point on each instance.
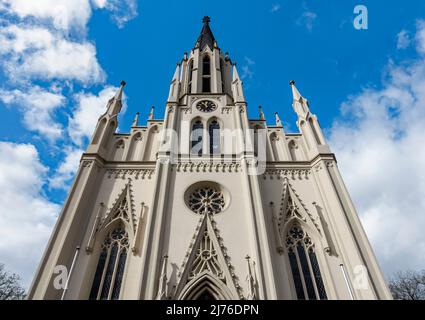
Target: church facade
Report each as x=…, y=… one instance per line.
x=209, y=204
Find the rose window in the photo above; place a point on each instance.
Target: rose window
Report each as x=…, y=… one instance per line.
x=206, y=199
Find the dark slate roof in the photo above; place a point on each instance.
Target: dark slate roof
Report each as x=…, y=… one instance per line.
x=206, y=38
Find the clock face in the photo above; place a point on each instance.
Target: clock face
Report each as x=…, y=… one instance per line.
x=206, y=106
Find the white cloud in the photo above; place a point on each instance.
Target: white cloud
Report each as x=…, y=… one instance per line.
x=420, y=36
x=69, y=14
x=65, y=14
x=307, y=19
x=99, y=3
x=26, y=217
x=247, y=68
x=122, y=11
x=38, y=107
x=379, y=145
x=37, y=53
x=275, y=8
x=403, y=39
x=67, y=169
x=89, y=108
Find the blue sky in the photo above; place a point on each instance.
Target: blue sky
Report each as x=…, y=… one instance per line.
x=61, y=60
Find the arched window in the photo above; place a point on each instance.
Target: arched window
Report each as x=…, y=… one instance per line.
x=196, y=138
x=110, y=267
x=214, y=135
x=189, y=88
x=304, y=265
x=206, y=74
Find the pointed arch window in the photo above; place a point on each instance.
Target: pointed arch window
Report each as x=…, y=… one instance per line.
x=304, y=265
x=206, y=74
x=214, y=136
x=110, y=267
x=196, y=138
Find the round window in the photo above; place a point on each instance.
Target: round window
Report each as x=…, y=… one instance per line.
x=206, y=197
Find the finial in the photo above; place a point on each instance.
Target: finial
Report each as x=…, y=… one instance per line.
x=185, y=56
x=260, y=109
x=295, y=93
x=206, y=19
x=278, y=122
x=226, y=56
x=118, y=95
x=151, y=114
x=136, y=120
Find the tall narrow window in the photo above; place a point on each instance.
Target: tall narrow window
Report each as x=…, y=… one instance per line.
x=196, y=138
x=206, y=74
x=305, y=269
x=189, y=87
x=223, y=89
x=214, y=135
x=110, y=267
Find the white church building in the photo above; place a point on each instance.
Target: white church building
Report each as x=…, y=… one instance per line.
x=207, y=203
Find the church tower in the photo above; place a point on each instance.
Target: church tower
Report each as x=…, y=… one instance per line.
x=207, y=203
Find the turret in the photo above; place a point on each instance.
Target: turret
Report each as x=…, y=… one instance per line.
x=174, y=92
x=237, y=88
x=107, y=124
x=308, y=124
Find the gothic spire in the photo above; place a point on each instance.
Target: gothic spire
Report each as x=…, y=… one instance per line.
x=206, y=38
x=237, y=88
x=300, y=103
x=174, y=92
x=295, y=93
x=118, y=95
x=115, y=104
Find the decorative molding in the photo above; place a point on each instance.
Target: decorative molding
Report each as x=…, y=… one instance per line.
x=123, y=208
x=293, y=208
x=294, y=174
x=204, y=166
x=330, y=164
x=86, y=163
x=207, y=230
x=226, y=110
x=186, y=110
x=251, y=280
x=126, y=173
